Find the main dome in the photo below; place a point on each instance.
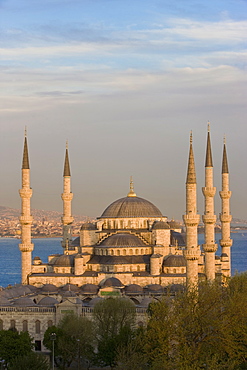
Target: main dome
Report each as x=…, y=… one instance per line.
x=131, y=206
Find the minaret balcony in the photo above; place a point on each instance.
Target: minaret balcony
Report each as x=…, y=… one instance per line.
x=226, y=243
x=191, y=220
x=209, y=219
x=225, y=218
x=225, y=194
x=192, y=253
x=26, y=247
x=26, y=192
x=26, y=220
x=67, y=220
x=67, y=196
x=209, y=191
x=210, y=247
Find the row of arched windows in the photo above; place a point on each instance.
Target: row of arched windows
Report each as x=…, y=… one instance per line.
x=121, y=252
x=125, y=224
x=25, y=325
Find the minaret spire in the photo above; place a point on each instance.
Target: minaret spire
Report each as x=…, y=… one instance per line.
x=209, y=217
x=67, y=197
x=26, y=246
x=225, y=217
x=191, y=221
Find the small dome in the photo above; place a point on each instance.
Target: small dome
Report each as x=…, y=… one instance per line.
x=160, y=225
x=49, y=288
x=175, y=288
x=69, y=293
x=111, y=282
x=224, y=255
x=154, y=288
x=89, y=289
x=69, y=287
x=131, y=206
x=174, y=224
x=146, y=302
x=122, y=240
x=174, y=260
x=93, y=301
x=36, y=258
x=133, y=289
x=65, y=260
x=48, y=301
x=24, y=301
x=88, y=226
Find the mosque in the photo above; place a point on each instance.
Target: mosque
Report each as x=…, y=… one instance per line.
x=131, y=251
x=132, y=241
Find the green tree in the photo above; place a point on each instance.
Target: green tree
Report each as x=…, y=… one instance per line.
x=30, y=361
x=114, y=320
x=14, y=344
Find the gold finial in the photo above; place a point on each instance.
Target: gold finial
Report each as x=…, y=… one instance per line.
x=131, y=192
x=191, y=137
x=208, y=126
x=67, y=144
x=25, y=132
x=224, y=140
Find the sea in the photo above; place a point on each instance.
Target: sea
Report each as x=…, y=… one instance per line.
x=10, y=256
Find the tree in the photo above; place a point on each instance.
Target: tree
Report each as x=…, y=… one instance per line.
x=14, y=344
x=29, y=362
x=114, y=320
x=74, y=340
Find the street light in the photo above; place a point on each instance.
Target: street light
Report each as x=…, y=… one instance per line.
x=78, y=341
x=53, y=338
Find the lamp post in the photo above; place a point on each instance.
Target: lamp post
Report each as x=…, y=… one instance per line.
x=53, y=338
x=78, y=341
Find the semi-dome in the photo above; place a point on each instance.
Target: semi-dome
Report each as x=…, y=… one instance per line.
x=160, y=225
x=131, y=206
x=65, y=260
x=174, y=260
x=133, y=289
x=48, y=301
x=122, y=240
x=111, y=282
x=89, y=289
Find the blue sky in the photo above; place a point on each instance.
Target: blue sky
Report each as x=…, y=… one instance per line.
x=124, y=82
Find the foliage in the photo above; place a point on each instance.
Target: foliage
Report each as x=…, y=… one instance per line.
x=114, y=319
x=29, y=362
x=14, y=344
x=74, y=340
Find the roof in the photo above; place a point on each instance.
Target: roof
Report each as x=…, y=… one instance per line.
x=160, y=225
x=133, y=289
x=89, y=289
x=129, y=207
x=111, y=282
x=118, y=260
x=174, y=260
x=123, y=240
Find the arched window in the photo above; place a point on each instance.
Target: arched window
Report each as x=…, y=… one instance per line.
x=50, y=323
x=118, y=252
x=137, y=251
x=37, y=327
x=124, y=252
x=1, y=324
x=142, y=251
x=112, y=252
x=24, y=325
x=146, y=251
x=138, y=268
x=174, y=271
x=12, y=324
x=131, y=252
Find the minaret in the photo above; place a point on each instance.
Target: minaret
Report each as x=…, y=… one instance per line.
x=67, y=197
x=225, y=217
x=26, y=246
x=191, y=221
x=209, y=218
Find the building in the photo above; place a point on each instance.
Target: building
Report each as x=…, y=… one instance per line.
x=132, y=251
x=132, y=241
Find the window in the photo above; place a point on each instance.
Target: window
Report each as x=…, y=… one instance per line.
x=50, y=323
x=37, y=345
x=24, y=326
x=137, y=251
x=124, y=252
x=12, y=324
x=131, y=252
x=37, y=327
